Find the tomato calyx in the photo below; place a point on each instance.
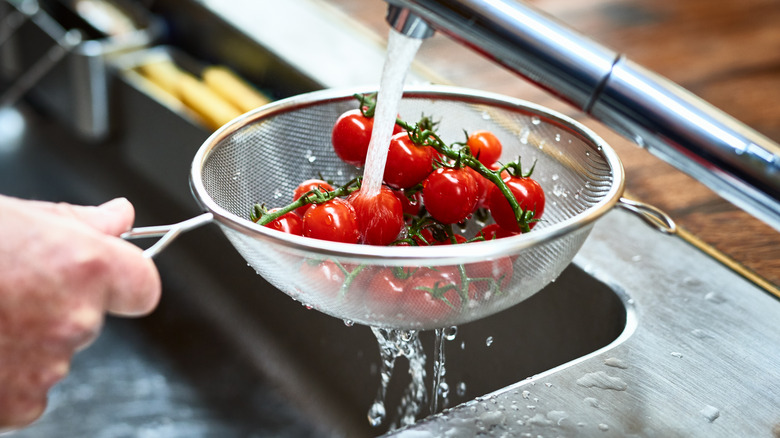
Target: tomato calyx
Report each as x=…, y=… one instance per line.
x=367, y=103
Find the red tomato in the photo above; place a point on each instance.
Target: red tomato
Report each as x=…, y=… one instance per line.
x=307, y=186
x=407, y=163
x=289, y=223
x=412, y=207
x=334, y=220
x=351, y=135
x=491, y=275
x=432, y=294
x=485, y=146
x=424, y=238
x=529, y=195
x=458, y=240
x=326, y=275
x=450, y=195
x=483, y=187
x=494, y=231
x=380, y=217
x=386, y=288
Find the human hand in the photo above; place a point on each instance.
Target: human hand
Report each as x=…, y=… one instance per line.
x=62, y=268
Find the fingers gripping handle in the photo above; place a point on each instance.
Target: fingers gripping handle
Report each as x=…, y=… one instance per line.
x=167, y=233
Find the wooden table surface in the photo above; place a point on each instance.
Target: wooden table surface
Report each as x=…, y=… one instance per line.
x=725, y=51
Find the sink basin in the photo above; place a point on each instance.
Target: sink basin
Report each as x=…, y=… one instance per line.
x=226, y=353
x=331, y=369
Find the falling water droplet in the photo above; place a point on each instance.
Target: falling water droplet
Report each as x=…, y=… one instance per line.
x=349, y=323
x=489, y=341
x=450, y=333
x=461, y=389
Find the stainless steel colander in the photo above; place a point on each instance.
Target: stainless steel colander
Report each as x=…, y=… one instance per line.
x=264, y=154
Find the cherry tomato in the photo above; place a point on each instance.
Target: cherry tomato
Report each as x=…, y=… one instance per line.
x=307, y=186
x=489, y=276
x=385, y=290
x=407, y=163
x=495, y=231
x=334, y=220
x=450, y=195
x=483, y=187
x=458, y=240
x=326, y=275
x=289, y=223
x=412, y=205
x=424, y=237
x=432, y=293
x=529, y=195
x=485, y=146
x=351, y=135
x=380, y=217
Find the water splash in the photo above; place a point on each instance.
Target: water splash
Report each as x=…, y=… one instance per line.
x=392, y=345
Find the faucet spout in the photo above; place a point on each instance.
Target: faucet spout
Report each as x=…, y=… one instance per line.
x=408, y=23
x=730, y=158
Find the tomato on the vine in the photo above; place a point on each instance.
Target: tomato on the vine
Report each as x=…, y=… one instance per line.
x=490, y=274
x=529, y=195
x=495, y=231
x=407, y=163
x=412, y=204
x=483, y=187
x=458, y=239
x=485, y=146
x=380, y=217
x=450, y=194
x=351, y=135
x=385, y=290
x=433, y=293
x=289, y=223
x=307, y=186
x=333, y=220
x=327, y=275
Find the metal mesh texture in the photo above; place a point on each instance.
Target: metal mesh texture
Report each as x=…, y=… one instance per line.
x=265, y=155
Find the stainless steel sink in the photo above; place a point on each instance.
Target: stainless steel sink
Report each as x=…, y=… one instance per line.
x=639, y=336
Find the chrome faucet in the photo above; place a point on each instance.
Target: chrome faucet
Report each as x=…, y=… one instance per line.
x=732, y=159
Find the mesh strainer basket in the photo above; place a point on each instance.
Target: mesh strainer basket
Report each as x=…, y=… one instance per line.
x=263, y=155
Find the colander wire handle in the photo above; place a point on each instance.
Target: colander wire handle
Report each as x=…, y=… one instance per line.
x=653, y=216
x=167, y=233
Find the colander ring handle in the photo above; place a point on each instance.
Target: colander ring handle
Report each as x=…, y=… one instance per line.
x=653, y=216
x=167, y=233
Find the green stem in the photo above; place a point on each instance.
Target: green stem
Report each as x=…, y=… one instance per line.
x=314, y=196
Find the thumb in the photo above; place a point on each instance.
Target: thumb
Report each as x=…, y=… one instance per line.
x=113, y=217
